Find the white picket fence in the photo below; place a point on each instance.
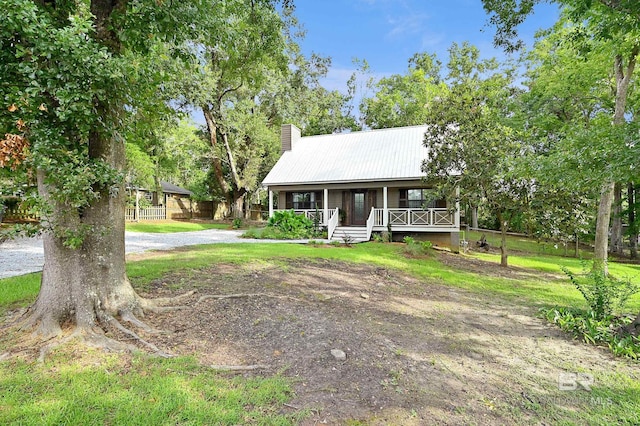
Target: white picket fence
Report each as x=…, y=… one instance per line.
x=149, y=213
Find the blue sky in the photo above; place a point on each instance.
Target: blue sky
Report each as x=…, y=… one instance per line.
x=386, y=33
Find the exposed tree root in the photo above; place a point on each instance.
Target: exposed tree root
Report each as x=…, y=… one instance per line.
x=131, y=319
x=165, y=301
x=118, y=326
x=160, y=305
x=245, y=296
x=48, y=331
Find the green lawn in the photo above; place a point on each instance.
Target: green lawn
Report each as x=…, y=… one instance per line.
x=523, y=244
x=535, y=290
x=146, y=391
x=179, y=391
x=166, y=227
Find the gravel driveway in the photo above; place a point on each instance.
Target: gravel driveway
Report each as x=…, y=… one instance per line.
x=25, y=255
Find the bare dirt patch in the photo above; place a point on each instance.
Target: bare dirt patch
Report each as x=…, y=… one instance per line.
x=416, y=352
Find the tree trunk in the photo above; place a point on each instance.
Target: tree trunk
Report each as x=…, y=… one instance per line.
x=87, y=285
x=474, y=217
x=212, y=128
x=623, y=79
x=616, y=223
x=238, y=204
x=503, y=241
x=633, y=227
x=602, y=228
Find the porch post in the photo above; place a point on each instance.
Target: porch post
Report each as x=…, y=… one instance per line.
x=325, y=206
x=270, y=203
x=385, y=207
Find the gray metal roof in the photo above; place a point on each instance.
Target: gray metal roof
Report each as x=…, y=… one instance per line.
x=174, y=189
x=374, y=155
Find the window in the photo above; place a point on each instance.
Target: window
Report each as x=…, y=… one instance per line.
x=420, y=199
x=304, y=200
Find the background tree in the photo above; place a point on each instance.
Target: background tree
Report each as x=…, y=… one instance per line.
x=401, y=100
x=298, y=97
x=617, y=21
x=472, y=150
x=231, y=68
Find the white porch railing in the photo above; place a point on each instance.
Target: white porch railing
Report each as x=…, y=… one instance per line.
x=334, y=215
x=416, y=217
x=311, y=214
x=370, y=221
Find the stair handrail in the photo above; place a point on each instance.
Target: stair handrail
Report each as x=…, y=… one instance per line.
x=370, y=222
x=333, y=222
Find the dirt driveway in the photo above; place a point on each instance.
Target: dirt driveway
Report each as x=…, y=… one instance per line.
x=416, y=353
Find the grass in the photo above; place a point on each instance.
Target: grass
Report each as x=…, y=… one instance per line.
x=535, y=290
x=145, y=390
x=523, y=244
x=18, y=291
x=166, y=227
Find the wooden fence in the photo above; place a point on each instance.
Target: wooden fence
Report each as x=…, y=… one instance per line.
x=185, y=209
x=17, y=214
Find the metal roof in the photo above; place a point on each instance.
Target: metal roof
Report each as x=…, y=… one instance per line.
x=174, y=189
x=373, y=155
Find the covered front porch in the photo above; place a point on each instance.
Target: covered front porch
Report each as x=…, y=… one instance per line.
x=404, y=207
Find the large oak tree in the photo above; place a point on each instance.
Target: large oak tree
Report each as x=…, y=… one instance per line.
x=74, y=74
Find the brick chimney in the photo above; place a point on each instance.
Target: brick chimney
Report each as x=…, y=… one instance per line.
x=289, y=135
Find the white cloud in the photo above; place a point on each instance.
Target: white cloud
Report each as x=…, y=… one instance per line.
x=406, y=25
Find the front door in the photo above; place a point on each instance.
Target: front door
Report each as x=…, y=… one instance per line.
x=359, y=207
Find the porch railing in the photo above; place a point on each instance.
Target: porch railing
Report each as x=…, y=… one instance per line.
x=334, y=215
x=311, y=215
x=370, y=221
x=416, y=217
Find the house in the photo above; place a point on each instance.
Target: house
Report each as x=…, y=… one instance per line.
x=174, y=203
x=361, y=182
x=169, y=192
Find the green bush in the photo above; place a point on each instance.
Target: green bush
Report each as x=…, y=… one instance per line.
x=409, y=240
x=237, y=223
x=414, y=248
x=286, y=225
x=603, y=293
x=378, y=238
x=596, y=331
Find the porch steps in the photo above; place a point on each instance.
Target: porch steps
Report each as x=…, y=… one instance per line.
x=350, y=233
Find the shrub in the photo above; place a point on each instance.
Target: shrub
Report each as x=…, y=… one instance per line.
x=237, y=223
x=289, y=225
x=596, y=331
x=603, y=293
x=409, y=240
x=413, y=248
